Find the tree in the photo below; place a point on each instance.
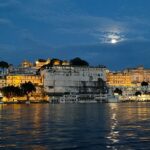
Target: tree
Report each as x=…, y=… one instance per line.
x=144, y=84
x=137, y=93
x=11, y=91
x=78, y=62
x=3, y=65
x=27, y=88
x=118, y=91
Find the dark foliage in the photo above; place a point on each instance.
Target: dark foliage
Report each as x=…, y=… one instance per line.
x=78, y=62
x=102, y=86
x=27, y=88
x=10, y=91
x=3, y=65
x=144, y=83
x=118, y=91
x=137, y=93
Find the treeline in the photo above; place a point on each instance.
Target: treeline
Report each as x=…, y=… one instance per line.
x=3, y=65
x=144, y=85
x=24, y=90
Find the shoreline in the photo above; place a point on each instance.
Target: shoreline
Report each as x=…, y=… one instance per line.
x=47, y=102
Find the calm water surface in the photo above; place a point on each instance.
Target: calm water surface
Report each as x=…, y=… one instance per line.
x=75, y=126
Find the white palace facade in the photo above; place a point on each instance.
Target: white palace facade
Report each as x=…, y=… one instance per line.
x=59, y=80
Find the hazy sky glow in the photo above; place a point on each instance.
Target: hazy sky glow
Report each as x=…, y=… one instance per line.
x=115, y=33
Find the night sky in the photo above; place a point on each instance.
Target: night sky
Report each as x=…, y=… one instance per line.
x=115, y=33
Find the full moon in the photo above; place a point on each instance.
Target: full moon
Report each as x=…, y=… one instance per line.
x=114, y=41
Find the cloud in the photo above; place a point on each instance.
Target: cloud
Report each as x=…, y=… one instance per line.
x=115, y=57
x=9, y=3
x=5, y=22
x=48, y=27
x=64, y=17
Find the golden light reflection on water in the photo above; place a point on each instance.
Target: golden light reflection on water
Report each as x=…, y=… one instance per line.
x=26, y=121
x=122, y=122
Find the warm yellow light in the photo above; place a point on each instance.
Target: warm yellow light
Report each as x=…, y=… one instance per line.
x=37, y=62
x=1, y=95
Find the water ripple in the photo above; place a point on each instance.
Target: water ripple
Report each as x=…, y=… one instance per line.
x=75, y=126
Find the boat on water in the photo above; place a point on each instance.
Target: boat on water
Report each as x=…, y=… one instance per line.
x=78, y=98
x=27, y=102
x=112, y=99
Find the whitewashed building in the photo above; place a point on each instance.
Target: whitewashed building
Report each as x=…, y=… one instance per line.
x=59, y=80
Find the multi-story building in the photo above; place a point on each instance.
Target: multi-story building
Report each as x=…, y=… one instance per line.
x=2, y=82
x=138, y=74
x=18, y=79
x=22, y=70
x=68, y=79
x=129, y=80
x=119, y=79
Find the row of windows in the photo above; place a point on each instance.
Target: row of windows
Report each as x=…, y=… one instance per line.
x=120, y=82
x=69, y=74
x=118, y=77
x=24, y=80
x=23, y=77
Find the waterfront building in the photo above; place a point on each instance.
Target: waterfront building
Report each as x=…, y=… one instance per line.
x=18, y=79
x=119, y=79
x=138, y=74
x=36, y=80
x=2, y=82
x=129, y=82
x=59, y=80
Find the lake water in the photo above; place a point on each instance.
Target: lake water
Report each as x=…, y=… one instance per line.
x=124, y=126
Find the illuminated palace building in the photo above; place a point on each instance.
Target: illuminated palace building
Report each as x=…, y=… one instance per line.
x=129, y=80
x=18, y=79
x=138, y=74
x=57, y=77
x=129, y=77
x=119, y=79
x=24, y=73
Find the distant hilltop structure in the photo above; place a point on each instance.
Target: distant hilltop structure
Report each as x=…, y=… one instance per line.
x=42, y=62
x=26, y=64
